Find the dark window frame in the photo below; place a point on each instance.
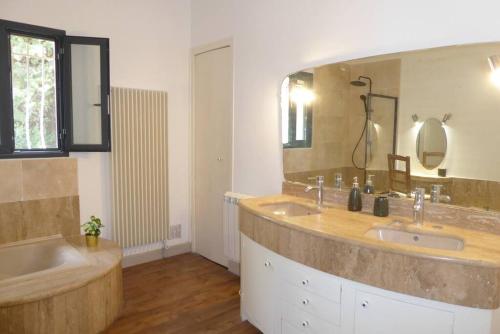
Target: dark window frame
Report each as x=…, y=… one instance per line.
x=63, y=92
x=7, y=146
x=308, y=80
x=105, y=145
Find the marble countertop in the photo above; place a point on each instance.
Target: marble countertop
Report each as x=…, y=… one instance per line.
x=480, y=248
x=470, y=277
x=100, y=261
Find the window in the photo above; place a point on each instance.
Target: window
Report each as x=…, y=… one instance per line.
x=296, y=110
x=36, y=86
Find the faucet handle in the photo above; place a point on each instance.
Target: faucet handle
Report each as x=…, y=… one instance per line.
x=437, y=187
x=419, y=193
x=319, y=178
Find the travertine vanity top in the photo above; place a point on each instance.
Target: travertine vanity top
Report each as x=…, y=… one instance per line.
x=335, y=242
x=480, y=248
x=100, y=261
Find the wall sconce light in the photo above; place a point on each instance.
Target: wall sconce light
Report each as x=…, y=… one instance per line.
x=301, y=95
x=414, y=117
x=494, y=62
x=446, y=117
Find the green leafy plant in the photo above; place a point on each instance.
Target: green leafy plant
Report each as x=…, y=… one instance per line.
x=93, y=226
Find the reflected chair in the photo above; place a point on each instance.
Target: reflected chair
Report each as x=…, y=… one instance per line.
x=399, y=179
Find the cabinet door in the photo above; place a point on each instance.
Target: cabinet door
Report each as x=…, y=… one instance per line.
x=380, y=315
x=257, y=284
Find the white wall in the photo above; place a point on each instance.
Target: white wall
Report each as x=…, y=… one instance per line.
x=453, y=80
x=149, y=49
x=211, y=21
x=276, y=37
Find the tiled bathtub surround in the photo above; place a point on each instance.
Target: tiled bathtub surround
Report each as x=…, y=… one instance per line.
x=38, y=197
x=30, y=179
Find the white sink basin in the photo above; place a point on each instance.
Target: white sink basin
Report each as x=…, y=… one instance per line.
x=290, y=209
x=427, y=240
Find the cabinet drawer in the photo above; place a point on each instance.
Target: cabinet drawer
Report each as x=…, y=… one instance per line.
x=315, y=281
x=305, y=322
x=287, y=328
x=309, y=302
x=381, y=315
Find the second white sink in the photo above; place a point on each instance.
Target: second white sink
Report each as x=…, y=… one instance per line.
x=427, y=240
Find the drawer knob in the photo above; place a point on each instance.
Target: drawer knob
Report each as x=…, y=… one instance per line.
x=305, y=282
x=364, y=304
x=305, y=301
x=305, y=323
x=267, y=263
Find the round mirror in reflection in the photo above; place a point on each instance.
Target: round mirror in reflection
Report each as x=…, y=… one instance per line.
x=431, y=143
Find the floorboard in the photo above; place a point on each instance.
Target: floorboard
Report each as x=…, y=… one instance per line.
x=181, y=294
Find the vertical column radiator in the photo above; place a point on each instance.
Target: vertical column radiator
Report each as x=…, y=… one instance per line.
x=139, y=166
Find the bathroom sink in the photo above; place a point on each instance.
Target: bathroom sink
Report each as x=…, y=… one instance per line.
x=427, y=240
x=290, y=209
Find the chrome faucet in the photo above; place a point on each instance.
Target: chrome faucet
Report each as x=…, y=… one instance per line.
x=338, y=181
x=436, y=193
x=418, y=206
x=320, y=180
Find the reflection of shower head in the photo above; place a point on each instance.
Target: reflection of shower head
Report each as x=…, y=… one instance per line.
x=360, y=83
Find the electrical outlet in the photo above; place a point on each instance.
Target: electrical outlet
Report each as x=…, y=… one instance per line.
x=175, y=232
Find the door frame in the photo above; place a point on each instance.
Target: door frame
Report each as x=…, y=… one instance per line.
x=194, y=52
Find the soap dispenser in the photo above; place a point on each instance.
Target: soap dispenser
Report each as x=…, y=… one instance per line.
x=355, y=197
x=369, y=188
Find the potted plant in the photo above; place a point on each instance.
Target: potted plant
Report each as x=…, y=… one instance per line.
x=92, y=230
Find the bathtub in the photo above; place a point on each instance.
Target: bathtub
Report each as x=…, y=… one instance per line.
x=37, y=256
x=57, y=285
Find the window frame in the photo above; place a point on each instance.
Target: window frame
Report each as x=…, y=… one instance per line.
x=308, y=79
x=105, y=145
x=7, y=145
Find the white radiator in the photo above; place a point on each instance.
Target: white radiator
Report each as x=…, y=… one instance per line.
x=231, y=226
x=139, y=166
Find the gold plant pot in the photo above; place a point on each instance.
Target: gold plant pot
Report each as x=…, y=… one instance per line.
x=92, y=240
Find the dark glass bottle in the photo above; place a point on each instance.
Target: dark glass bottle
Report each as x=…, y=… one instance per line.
x=354, y=203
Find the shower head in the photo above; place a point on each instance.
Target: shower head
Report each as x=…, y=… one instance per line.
x=358, y=83
x=362, y=97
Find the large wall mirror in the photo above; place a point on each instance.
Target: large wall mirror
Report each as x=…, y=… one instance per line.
x=436, y=109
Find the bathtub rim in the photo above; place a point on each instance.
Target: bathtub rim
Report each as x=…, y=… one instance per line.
x=27, y=288
x=61, y=241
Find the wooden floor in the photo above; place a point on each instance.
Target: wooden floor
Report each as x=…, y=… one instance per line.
x=181, y=294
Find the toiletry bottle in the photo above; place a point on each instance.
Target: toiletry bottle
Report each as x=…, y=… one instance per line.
x=338, y=181
x=355, y=197
x=369, y=188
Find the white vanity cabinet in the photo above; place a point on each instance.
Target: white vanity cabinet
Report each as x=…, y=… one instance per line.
x=281, y=296
x=257, y=285
x=381, y=315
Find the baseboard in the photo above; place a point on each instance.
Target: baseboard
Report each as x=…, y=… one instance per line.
x=135, y=259
x=233, y=267
x=155, y=254
x=177, y=249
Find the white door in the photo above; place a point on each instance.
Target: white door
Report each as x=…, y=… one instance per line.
x=213, y=103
